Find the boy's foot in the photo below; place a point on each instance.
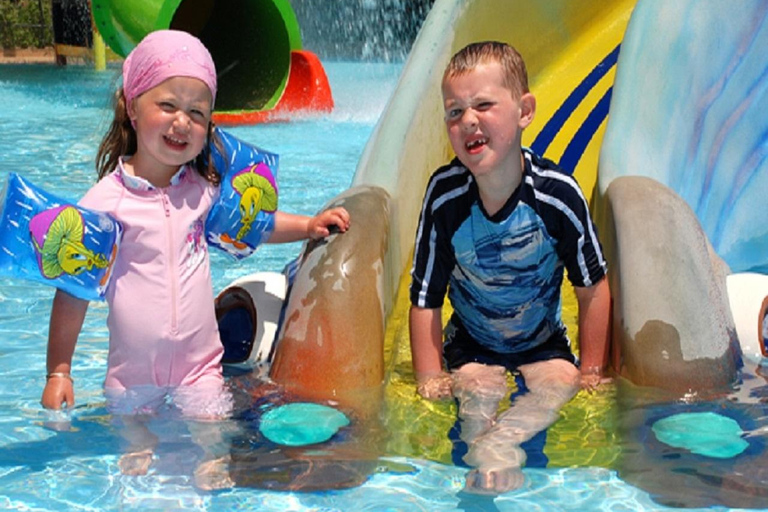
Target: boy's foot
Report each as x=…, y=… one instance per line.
x=494, y=481
x=135, y=463
x=212, y=475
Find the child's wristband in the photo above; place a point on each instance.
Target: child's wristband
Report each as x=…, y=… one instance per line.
x=60, y=375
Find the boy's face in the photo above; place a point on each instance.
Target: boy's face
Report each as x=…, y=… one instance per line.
x=485, y=121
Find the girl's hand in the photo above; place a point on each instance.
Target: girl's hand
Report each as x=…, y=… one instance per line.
x=334, y=219
x=58, y=390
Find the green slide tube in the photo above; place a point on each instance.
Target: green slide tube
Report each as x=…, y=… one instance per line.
x=250, y=40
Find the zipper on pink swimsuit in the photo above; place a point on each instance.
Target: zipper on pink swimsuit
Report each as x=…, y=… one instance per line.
x=172, y=261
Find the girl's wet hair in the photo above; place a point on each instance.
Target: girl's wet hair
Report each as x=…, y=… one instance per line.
x=469, y=57
x=120, y=140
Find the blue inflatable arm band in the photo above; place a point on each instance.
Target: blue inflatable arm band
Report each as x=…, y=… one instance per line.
x=49, y=240
x=243, y=217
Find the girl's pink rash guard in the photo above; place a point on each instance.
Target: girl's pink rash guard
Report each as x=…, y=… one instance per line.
x=162, y=322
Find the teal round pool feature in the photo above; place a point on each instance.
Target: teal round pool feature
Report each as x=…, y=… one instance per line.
x=704, y=433
x=301, y=423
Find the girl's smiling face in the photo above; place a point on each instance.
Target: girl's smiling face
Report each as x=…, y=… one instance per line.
x=484, y=120
x=171, y=122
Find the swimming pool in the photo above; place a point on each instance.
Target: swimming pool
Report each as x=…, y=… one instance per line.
x=52, y=120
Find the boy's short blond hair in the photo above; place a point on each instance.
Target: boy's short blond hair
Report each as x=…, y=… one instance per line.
x=469, y=57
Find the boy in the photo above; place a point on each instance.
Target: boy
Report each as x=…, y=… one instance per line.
x=499, y=224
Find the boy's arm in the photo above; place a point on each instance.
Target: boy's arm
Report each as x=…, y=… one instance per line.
x=594, y=331
x=426, y=331
x=67, y=316
x=290, y=227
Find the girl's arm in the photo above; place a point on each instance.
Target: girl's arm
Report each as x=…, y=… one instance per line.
x=67, y=316
x=427, y=353
x=290, y=227
x=594, y=331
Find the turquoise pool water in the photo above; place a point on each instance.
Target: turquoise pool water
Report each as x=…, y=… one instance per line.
x=52, y=120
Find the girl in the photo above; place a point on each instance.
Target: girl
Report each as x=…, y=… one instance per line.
x=163, y=338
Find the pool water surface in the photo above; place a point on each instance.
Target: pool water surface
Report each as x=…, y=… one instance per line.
x=52, y=120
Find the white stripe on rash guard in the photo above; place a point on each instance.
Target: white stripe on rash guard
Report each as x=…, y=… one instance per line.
x=558, y=204
x=428, y=271
x=433, y=234
x=454, y=171
x=572, y=183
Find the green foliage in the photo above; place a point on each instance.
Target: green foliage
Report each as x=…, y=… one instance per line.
x=25, y=23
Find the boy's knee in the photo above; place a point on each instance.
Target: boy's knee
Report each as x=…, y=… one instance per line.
x=570, y=376
x=557, y=379
x=480, y=371
x=477, y=378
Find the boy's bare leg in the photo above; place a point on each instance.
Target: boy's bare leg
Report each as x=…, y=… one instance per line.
x=497, y=455
x=479, y=388
x=141, y=444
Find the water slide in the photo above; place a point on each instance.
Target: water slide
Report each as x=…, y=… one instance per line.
x=345, y=319
x=675, y=174
x=683, y=123
x=264, y=74
x=571, y=49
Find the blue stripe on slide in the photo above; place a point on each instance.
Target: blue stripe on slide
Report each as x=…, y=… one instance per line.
x=584, y=134
x=556, y=122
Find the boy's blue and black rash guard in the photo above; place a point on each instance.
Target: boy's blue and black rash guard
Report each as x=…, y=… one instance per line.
x=505, y=271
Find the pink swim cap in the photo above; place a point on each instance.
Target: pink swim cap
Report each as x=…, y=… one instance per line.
x=165, y=54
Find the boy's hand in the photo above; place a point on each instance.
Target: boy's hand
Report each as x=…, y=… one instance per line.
x=435, y=387
x=591, y=380
x=324, y=223
x=58, y=390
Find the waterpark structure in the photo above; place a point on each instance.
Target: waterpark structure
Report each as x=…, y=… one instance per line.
x=658, y=115
x=656, y=107
x=582, y=51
